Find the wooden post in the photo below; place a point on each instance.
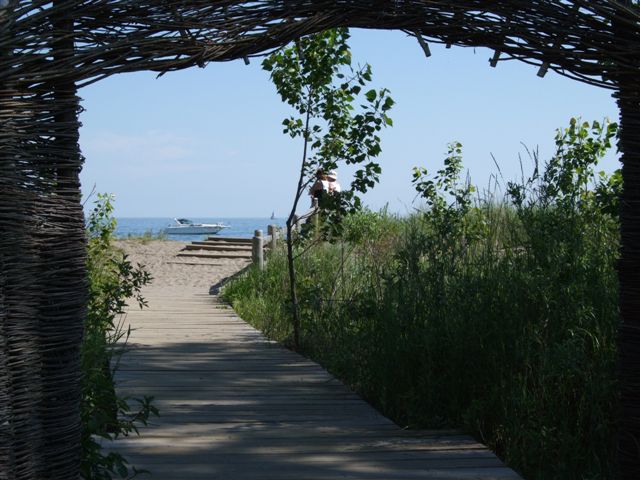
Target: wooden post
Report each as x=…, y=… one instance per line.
x=256, y=252
x=272, y=230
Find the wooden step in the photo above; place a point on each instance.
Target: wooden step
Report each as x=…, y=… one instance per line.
x=216, y=255
x=229, y=239
x=224, y=248
x=223, y=244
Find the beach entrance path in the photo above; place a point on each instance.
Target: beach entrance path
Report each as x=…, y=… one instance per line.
x=235, y=405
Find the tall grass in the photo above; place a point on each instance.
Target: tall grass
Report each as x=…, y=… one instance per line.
x=148, y=236
x=497, y=316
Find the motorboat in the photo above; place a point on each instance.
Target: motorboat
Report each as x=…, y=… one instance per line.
x=184, y=226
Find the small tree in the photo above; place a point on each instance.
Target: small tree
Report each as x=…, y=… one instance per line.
x=337, y=120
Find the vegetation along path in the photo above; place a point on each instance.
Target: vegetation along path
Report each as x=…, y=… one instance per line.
x=234, y=405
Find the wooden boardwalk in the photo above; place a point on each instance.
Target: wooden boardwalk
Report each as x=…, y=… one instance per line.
x=236, y=406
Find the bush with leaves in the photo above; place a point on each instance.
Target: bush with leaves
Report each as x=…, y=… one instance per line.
x=569, y=179
x=113, y=280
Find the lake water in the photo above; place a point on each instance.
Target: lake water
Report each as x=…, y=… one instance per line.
x=238, y=227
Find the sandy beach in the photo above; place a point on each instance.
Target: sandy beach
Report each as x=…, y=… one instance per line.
x=178, y=273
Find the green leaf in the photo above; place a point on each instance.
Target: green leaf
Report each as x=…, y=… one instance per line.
x=123, y=471
x=371, y=95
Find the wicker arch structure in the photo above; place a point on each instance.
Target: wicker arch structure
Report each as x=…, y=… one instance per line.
x=50, y=48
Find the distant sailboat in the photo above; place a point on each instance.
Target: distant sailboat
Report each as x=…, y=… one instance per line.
x=273, y=215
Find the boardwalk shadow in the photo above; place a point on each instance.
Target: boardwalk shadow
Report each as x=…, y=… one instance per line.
x=250, y=409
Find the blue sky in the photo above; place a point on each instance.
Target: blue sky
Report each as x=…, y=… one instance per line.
x=209, y=143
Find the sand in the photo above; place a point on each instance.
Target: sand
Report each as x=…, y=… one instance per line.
x=179, y=274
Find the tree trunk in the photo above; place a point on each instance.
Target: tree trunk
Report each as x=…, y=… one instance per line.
x=292, y=286
x=290, y=224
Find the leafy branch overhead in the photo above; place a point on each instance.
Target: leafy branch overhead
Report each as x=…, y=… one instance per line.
x=317, y=78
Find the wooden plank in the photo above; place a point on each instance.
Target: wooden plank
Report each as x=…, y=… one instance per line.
x=158, y=364
x=224, y=248
x=400, y=458
x=273, y=471
x=199, y=264
x=286, y=430
x=298, y=421
x=224, y=244
x=143, y=366
x=208, y=391
x=214, y=255
x=209, y=353
x=296, y=446
x=229, y=239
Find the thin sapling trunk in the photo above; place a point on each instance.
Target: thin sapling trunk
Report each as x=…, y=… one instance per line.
x=295, y=307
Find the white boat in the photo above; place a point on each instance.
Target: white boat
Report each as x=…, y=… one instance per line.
x=185, y=226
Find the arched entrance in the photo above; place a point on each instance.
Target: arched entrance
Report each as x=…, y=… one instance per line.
x=49, y=49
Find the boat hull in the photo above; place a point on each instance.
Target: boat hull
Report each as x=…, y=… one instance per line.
x=194, y=230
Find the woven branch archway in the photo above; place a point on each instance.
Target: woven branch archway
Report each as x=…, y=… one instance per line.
x=48, y=49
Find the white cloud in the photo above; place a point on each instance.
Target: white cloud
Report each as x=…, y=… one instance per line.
x=151, y=148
